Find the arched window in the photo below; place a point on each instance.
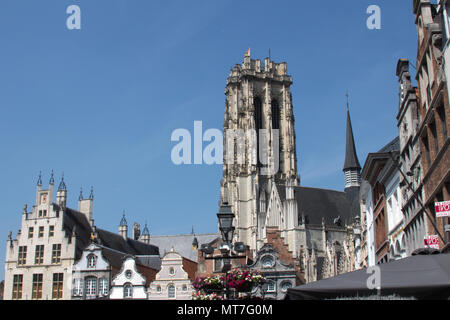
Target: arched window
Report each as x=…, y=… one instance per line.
x=275, y=115
x=171, y=291
x=171, y=271
x=91, y=261
x=285, y=285
x=158, y=289
x=128, y=291
x=267, y=261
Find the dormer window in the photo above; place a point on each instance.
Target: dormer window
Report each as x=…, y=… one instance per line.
x=128, y=291
x=91, y=261
x=171, y=271
x=128, y=274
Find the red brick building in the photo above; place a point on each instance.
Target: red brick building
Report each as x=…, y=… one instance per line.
x=433, y=113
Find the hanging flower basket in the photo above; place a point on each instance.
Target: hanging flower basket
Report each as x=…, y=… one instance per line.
x=208, y=284
x=243, y=280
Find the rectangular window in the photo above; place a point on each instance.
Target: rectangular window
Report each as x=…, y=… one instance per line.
x=56, y=253
x=51, y=231
x=37, y=286
x=103, y=286
x=44, y=213
x=435, y=139
x=39, y=254
x=427, y=150
x=57, y=291
x=22, y=259
x=30, y=232
x=218, y=265
x=428, y=96
x=41, y=232
x=442, y=119
x=91, y=287
x=17, y=286
x=40, y=213
x=77, y=287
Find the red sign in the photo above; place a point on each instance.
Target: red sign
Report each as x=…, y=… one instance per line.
x=442, y=208
x=431, y=241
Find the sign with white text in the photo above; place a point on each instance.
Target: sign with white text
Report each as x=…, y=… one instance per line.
x=442, y=209
x=431, y=241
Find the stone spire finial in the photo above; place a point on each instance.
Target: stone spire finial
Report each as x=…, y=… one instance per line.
x=62, y=184
x=52, y=179
x=91, y=195
x=123, y=221
x=39, y=182
x=80, y=197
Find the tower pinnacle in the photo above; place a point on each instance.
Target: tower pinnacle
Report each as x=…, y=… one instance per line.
x=352, y=168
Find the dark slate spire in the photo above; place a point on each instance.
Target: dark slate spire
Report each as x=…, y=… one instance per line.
x=351, y=159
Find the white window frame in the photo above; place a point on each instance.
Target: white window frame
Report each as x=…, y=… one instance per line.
x=127, y=291
x=174, y=291
x=91, y=287
x=103, y=286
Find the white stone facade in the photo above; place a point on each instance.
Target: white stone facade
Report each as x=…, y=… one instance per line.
x=91, y=275
x=172, y=281
x=129, y=283
x=43, y=268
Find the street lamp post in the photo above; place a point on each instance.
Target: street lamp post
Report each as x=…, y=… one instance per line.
x=225, y=217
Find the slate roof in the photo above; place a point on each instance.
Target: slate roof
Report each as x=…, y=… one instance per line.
x=315, y=203
x=394, y=145
x=351, y=159
x=130, y=246
x=74, y=221
x=182, y=243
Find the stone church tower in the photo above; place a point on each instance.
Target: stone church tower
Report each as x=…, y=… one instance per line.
x=259, y=144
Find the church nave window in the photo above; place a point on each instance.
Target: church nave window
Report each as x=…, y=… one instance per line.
x=275, y=115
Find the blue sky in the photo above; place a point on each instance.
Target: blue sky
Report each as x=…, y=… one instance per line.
x=100, y=103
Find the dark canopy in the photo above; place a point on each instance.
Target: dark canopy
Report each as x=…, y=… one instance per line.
x=420, y=276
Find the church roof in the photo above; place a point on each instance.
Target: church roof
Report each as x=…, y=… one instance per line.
x=351, y=159
x=182, y=243
x=315, y=204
